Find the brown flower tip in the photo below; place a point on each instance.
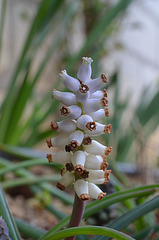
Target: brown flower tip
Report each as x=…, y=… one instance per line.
x=107, y=176
x=79, y=169
x=104, y=158
x=85, y=174
x=65, y=111
x=73, y=145
x=48, y=141
x=91, y=126
x=49, y=157
x=107, y=128
x=87, y=140
x=101, y=195
x=104, y=78
x=83, y=88
x=69, y=167
x=104, y=102
x=105, y=93
x=52, y=95
x=54, y=126
x=63, y=170
x=106, y=110
x=60, y=186
x=104, y=166
x=108, y=150
x=84, y=197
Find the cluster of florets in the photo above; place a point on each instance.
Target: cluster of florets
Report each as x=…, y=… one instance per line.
x=84, y=159
x=4, y=233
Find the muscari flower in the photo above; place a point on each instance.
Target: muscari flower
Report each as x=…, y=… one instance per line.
x=4, y=232
x=84, y=159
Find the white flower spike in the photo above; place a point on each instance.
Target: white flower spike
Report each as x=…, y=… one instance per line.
x=84, y=159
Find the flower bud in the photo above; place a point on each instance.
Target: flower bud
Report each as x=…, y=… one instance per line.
x=69, y=82
x=72, y=112
x=92, y=105
x=78, y=160
x=75, y=140
x=83, y=93
x=95, y=162
x=81, y=189
x=65, y=126
x=62, y=157
x=100, y=129
x=99, y=94
x=85, y=71
x=99, y=114
x=95, y=192
x=96, y=84
x=86, y=122
x=66, y=98
x=66, y=180
x=59, y=141
x=97, y=148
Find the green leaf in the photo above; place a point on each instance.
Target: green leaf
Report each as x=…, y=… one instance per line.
x=27, y=181
x=110, y=200
x=130, y=216
x=29, y=230
x=5, y=213
x=89, y=230
x=99, y=28
x=63, y=196
x=144, y=232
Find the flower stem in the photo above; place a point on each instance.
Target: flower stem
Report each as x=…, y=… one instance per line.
x=77, y=214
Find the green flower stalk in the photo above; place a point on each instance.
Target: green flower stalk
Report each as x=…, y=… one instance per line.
x=84, y=159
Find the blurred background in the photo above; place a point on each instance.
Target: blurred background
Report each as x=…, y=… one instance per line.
x=38, y=39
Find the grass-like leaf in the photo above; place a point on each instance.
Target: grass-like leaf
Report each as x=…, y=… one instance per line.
x=5, y=213
x=89, y=230
x=130, y=216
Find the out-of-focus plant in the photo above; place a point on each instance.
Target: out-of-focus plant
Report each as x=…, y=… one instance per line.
x=134, y=207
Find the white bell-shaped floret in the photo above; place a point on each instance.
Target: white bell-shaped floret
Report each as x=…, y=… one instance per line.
x=97, y=148
x=86, y=122
x=62, y=157
x=69, y=82
x=98, y=176
x=65, y=126
x=72, y=111
x=96, y=84
x=78, y=160
x=66, y=98
x=99, y=114
x=81, y=189
x=95, y=192
x=85, y=70
x=95, y=162
x=100, y=129
x=75, y=140
x=58, y=141
x=66, y=180
x=92, y=105
x=83, y=93
x=99, y=94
